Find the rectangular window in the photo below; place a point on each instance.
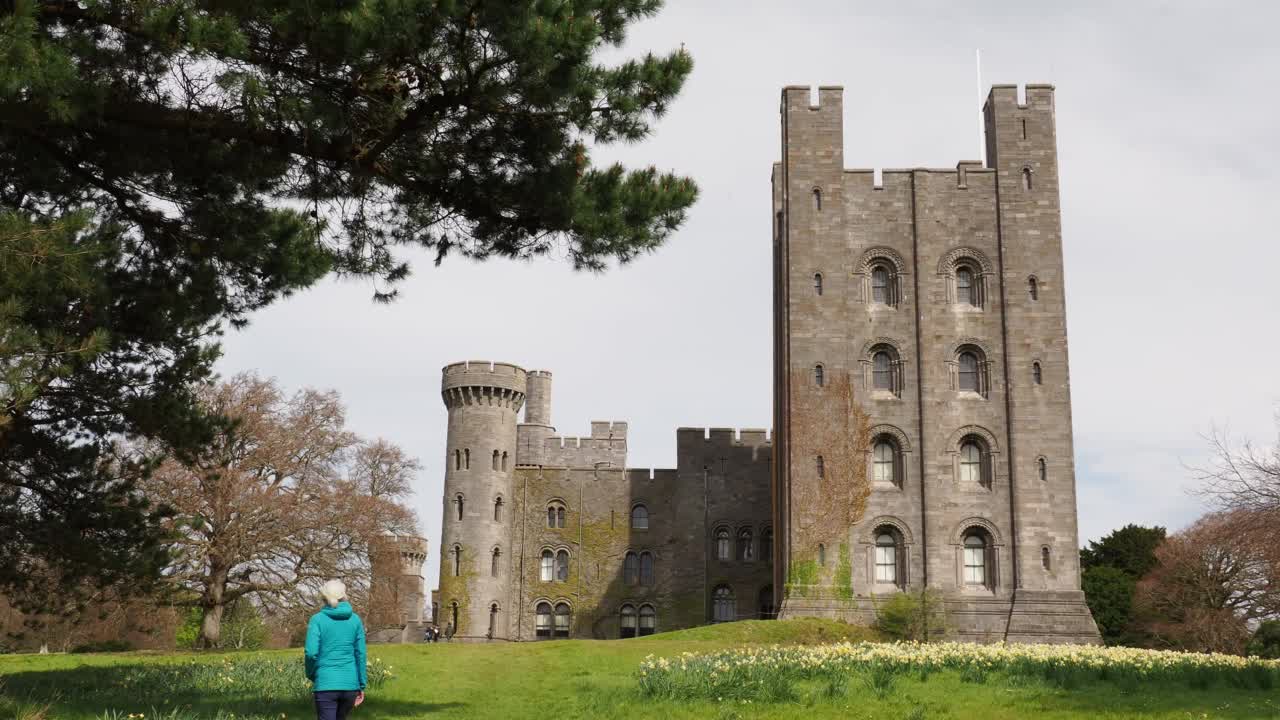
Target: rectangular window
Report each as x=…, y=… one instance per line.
x=886, y=564
x=547, y=573
x=975, y=567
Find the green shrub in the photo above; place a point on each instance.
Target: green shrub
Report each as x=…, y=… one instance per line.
x=912, y=616
x=1266, y=641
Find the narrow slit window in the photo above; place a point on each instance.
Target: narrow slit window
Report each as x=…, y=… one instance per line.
x=817, y=199
x=457, y=561
x=1024, y=128
x=466, y=459
x=822, y=554
x=497, y=510
x=817, y=283
x=1044, y=557
x=459, y=501
x=1033, y=288
x=493, y=563
x=819, y=375
x=1037, y=375
x=496, y=456
x=1042, y=469
x=1026, y=178
x=821, y=466
x=504, y=461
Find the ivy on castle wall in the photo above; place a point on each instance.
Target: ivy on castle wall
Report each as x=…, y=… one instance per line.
x=598, y=540
x=830, y=497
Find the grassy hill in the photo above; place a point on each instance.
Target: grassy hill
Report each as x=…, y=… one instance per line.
x=563, y=679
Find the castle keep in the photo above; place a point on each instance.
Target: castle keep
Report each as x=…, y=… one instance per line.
x=922, y=426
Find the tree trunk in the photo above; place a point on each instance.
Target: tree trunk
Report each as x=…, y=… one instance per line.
x=214, y=604
x=211, y=627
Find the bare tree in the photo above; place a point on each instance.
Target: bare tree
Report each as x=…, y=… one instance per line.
x=1211, y=582
x=284, y=498
x=1244, y=477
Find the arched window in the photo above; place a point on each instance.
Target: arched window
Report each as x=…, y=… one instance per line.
x=971, y=371
x=639, y=517
x=1026, y=178
x=975, y=462
x=767, y=611
x=493, y=620
x=562, y=620
x=1037, y=375
x=817, y=283
x=884, y=285
x=822, y=554
x=820, y=466
x=886, y=558
x=496, y=455
x=1033, y=288
x=882, y=372
x=819, y=375
x=1044, y=557
x=466, y=458
x=555, y=515
x=725, y=606
x=493, y=562
x=723, y=551
x=457, y=560
x=562, y=566
x=745, y=545
x=457, y=459
x=648, y=620
x=968, y=284
x=627, y=621
x=968, y=370
x=766, y=545
x=646, y=569
x=886, y=461
x=975, y=559
x=504, y=461
x=631, y=568
x=497, y=509
x=817, y=199
x=1042, y=469
x=543, y=623
x=457, y=500
x=547, y=566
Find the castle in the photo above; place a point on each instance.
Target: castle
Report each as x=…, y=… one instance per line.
x=922, y=426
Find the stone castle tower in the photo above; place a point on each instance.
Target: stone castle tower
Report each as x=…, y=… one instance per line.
x=933, y=298
x=483, y=400
x=398, y=593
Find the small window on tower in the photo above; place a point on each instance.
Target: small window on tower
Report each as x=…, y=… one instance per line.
x=1026, y=178
x=817, y=199
x=817, y=283
x=1037, y=375
x=819, y=375
x=1033, y=288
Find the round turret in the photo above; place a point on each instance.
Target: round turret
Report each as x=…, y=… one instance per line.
x=484, y=401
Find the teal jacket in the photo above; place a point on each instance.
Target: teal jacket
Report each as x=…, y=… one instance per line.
x=335, y=654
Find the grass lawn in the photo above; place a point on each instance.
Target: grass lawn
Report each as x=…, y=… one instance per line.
x=577, y=679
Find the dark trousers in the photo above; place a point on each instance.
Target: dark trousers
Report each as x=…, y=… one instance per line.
x=334, y=704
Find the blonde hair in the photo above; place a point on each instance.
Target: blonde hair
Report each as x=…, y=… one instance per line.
x=333, y=592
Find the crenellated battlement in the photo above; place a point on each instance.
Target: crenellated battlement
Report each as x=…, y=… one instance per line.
x=639, y=476
x=724, y=437
x=481, y=382
x=606, y=445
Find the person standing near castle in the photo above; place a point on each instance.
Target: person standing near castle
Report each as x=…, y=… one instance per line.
x=335, y=655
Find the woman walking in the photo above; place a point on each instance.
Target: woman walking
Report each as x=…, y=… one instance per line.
x=335, y=655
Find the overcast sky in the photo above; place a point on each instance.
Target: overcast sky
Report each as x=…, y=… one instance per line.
x=1169, y=160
